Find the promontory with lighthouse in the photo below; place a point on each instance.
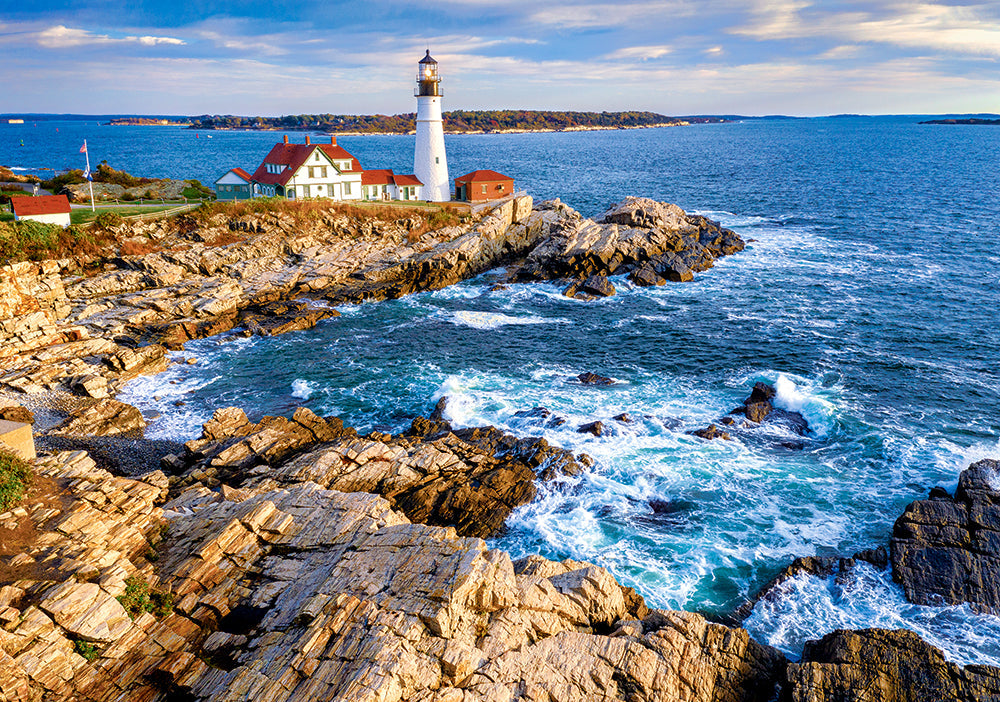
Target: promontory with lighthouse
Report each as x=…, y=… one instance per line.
x=345, y=428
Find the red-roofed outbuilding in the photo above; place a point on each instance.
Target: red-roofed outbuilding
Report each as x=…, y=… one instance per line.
x=51, y=209
x=484, y=185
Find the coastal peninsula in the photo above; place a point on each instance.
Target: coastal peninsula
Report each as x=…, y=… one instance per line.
x=291, y=558
x=455, y=122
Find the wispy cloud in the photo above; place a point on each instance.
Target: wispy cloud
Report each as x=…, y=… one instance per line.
x=641, y=53
x=605, y=15
x=970, y=29
x=62, y=37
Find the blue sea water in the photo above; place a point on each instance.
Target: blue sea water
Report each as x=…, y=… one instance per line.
x=869, y=295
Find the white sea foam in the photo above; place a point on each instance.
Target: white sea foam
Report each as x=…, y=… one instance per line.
x=303, y=389
x=807, y=607
x=793, y=398
x=495, y=320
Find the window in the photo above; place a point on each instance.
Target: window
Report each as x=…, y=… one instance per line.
x=347, y=188
x=484, y=189
x=437, y=159
x=312, y=172
x=500, y=187
x=322, y=171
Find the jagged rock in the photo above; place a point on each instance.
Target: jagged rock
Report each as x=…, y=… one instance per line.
x=131, y=363
x=592, y=286
x=758, y=405
x=91, y=385
x=86, y=611
x=651, y=241
x=711, y=432
x=948, y=549
x=108, y=417
x=17, y=413
x=589, y=378
x=889, y=666
x=595, y=428
x=271, y=318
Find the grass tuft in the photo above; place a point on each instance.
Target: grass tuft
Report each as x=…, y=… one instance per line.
x=15, y=477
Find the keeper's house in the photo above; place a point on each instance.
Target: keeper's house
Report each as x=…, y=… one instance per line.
x=235, y=185
x=296, y=171
x=482, y=186
x=308, y=170
x=51, y=209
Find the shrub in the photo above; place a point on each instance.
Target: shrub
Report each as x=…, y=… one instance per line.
x=128, y=197
x=139, y=598
x=108, y=220
x=70, y=177
x=107, y=174
x=15, y=477
x=86, y=649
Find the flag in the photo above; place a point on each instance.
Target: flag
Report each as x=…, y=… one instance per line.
x=86, y=174
x=83, y=149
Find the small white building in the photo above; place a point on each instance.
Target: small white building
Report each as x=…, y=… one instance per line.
x=383, y=184
x=50, y=209
x=308, y=170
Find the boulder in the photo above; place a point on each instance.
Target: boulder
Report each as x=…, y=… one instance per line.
x=711, y=432
x=107, y=417
x=948, y=549
x=17, y=413
x=589, y=378
x=884, y=665
x=595, y=428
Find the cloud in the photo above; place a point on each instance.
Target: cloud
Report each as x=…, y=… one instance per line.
x=642, y=53
x=968, y=29
x=607, y=15
x=62, y=37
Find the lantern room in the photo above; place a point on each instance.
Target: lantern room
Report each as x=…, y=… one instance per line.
x=428, y=80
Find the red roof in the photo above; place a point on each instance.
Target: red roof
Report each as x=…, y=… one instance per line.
x=294, y=156
x=242, y=174
x=482, y=176
x=377, y=176
x=339, y=153
x=407, y=180
x=40, y=205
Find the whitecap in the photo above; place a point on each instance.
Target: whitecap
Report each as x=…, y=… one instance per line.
x=791, y=397
x=303, y=389
x=495, y=320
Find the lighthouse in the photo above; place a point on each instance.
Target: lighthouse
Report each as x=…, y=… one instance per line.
x=429, y=162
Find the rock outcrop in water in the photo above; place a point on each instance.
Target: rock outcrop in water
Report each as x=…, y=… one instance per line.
x=889, y=666
x=654, y=242
x=469, y=479
x=947, y=549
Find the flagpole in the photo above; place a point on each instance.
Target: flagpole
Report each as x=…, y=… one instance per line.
x=90, y=180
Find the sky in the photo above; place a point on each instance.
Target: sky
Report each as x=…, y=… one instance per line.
x=675, y=57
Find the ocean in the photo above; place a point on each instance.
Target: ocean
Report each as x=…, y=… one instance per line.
x=868, y=295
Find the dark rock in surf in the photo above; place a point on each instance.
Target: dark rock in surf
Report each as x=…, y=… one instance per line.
x=595, y=428
x=711, y=432
x=888, y=665
x=947, y=549
x=594, y=379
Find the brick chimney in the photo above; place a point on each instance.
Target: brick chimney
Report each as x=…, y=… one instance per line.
x=333, y=140
x=308, y=140
x=286, y=138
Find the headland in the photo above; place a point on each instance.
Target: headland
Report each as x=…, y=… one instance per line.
x=293, y=559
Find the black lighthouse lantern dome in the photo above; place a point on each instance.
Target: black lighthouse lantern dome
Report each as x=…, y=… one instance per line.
x=428, y=81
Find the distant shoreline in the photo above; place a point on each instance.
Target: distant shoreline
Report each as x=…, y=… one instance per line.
x=970, y=120
x=588, y=128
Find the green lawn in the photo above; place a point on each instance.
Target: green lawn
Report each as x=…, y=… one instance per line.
x=6, y=216
x=82, y=216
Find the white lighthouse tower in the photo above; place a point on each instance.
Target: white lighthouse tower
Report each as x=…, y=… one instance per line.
x=429, y=162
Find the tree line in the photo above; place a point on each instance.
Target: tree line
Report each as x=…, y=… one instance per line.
x=456, y=121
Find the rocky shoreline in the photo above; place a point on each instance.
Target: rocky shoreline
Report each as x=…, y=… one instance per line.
x=293, y=559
